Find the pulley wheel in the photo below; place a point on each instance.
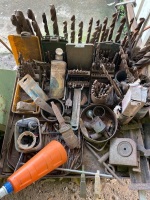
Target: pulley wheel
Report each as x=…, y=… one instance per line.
x=124, y=149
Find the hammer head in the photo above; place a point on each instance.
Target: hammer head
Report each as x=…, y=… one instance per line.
x=126, y=2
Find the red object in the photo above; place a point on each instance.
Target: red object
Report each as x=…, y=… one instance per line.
x=50, y=157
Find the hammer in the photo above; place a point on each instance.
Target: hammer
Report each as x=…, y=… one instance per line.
x=124, y=4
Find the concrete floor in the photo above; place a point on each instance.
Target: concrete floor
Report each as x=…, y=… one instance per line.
x=83, y=10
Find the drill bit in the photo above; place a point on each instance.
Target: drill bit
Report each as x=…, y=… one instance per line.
x=54, y=19
x=112, y=26
x=116, y=88
x=45, y=24
x=98, y=33
x=65, y=29
x=72, y=37
x=119, y=32
x=34, y=23
x=104, y=28
x=136, y=31
x=94, y=35
x=30, y=27
x=130, y=77
x=89, y=30
x=22, y=21
x=124, y=40
x=15, y=23
x=131, y=22
x=106, y=34
x=80, y=32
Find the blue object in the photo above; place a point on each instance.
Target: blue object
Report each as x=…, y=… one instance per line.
x=9, y=187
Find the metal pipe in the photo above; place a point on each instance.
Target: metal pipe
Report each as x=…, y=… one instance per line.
x=83, y=172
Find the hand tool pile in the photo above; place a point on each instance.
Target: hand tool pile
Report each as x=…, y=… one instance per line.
x=83, y=95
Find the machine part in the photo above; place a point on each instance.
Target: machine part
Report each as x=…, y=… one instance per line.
x=45, y=24
x=43, y=105
x=57, y=79
x=67, y=133
x=76, y=109
x=26, y=140
x=98, y=125
x=123, y=151
x=97, y=185
x=54, y=20
x=68, y=103
x=102, y=161
x=32, y=88
x=99, y=111
x=72, y=36
x=89, y=30
x=85, y=172
x=83, y=185
x=28, y=125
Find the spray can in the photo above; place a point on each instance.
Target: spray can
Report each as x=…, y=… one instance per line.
x=49, y=158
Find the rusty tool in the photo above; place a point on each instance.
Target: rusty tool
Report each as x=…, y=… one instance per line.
x=131, y=22
x=102, y=160
x=119, y=32
x=42, y=104
x=68, y=103
x=80, y=32
x=54, y=19
x=104, y=28
x=76, y=109
x=94, y=35
x=72, y=36
x=45, y=24
x=67, y=133
x=89, y=30
x=136, y=31
x=116, y=88
x=15, y=23
x=22, y=21
x=65, y=32
x=34, y=23
x=112, y=26
x=141, y=31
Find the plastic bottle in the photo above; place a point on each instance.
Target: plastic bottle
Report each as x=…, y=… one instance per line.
x=49, y=158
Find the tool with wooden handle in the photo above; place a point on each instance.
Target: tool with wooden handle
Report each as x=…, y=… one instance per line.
x=65, y=129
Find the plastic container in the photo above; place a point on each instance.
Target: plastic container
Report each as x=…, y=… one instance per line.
x=49, y=158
